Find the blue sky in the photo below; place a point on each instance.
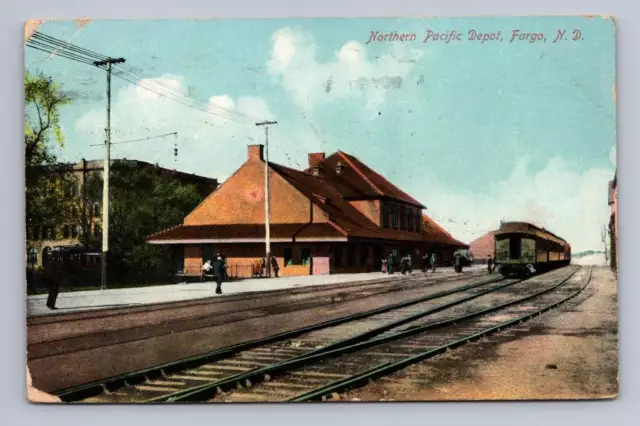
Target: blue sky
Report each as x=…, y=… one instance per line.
x=477, y=131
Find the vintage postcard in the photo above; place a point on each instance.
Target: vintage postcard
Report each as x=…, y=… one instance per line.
x=290, y=210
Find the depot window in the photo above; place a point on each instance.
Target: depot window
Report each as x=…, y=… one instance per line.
x=394, y=216
x=306, y=256
x=288, y=256
x=410, y=217
x=337, y=255
x=403, y=218
x=364, y=253
x=351, y=255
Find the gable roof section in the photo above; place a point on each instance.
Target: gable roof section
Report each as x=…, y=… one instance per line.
x=434, y=233
x=340, y=212
x=358, y=180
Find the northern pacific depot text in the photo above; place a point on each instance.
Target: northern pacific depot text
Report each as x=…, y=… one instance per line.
x=453, y=36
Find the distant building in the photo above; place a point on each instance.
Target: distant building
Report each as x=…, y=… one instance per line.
x=66, y=236
x=483, y=247
x=336, y=216
x=613, y=223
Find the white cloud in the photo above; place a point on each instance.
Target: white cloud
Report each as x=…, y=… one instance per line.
x=210, y=144
x=350, y=74
x=568, y=203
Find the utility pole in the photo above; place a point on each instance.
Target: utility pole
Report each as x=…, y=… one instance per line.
x=105, y=178
x=267, y=236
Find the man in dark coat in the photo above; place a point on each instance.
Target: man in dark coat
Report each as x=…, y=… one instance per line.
x=219, y=272
x=490, y=264
x=275, y=266
x=53, y=276
x=390, y=263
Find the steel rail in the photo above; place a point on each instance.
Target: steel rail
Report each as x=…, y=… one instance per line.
x=307, y=302
x=208, y=390
x=388, y=368
x=79, y=392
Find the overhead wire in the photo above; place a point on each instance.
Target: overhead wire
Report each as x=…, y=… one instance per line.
x=48, y=44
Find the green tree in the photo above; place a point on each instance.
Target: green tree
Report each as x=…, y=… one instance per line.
x=143, y=201
x=47, y=185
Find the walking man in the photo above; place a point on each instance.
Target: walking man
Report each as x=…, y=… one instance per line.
x=219, y=272
x=275, y=266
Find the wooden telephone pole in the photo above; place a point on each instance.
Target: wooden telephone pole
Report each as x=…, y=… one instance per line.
x=267, y=236
x=107, y=163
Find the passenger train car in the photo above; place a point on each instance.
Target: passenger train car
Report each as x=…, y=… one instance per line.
x=523, y=248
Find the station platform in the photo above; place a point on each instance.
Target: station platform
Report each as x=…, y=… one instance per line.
x=76, y=301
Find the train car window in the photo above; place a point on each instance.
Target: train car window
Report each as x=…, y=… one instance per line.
x=515, y=248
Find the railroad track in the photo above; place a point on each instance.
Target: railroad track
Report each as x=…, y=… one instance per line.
x=146, y=379
x=47, y=340
x=314, y=374
x=326, y=377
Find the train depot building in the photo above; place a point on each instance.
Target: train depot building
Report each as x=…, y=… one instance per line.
x=337, y=216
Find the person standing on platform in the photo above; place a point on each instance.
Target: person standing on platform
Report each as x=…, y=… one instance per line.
x=53, y=276
x=262, y=266
x=490, y=264
x=219, y=272
x=384, y=266
x=432, y=261
x=275, y=266
x=390, y=265
x=458, y=263
x=206, y=270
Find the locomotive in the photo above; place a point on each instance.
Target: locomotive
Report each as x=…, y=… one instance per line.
x=523, y=248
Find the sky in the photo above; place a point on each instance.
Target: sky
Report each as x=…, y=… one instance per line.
x=478, y=131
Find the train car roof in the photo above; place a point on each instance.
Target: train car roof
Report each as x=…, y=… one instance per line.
x=525, y=227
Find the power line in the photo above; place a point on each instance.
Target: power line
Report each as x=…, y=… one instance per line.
x=61, y=48
x=138, y=140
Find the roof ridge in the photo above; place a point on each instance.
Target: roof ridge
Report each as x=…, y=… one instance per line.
x=357, y=170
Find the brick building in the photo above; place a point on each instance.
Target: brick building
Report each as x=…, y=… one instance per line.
x=613, y=222
x=336, y=216
x=45, y=236
x=483, y=247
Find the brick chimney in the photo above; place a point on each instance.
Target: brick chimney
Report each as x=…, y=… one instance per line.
x=255, y=152
x=316, y=158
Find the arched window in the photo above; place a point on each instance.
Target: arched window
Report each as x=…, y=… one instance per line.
x=32, y=255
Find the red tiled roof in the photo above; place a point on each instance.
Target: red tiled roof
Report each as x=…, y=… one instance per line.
x=434, y=233
x=339, y=211
x=357, y=180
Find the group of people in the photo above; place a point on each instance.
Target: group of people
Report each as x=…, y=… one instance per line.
x=427, y=261
x=258, y=267
x=218, y=269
